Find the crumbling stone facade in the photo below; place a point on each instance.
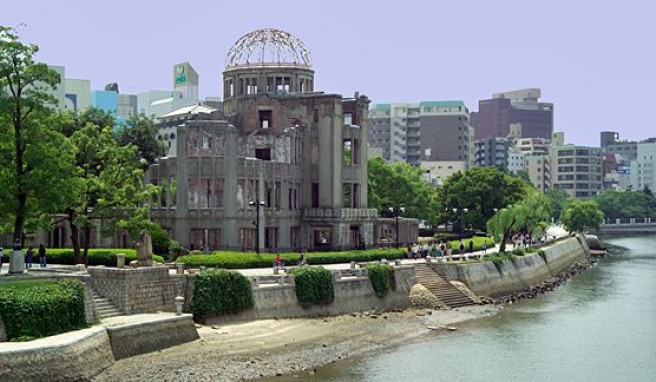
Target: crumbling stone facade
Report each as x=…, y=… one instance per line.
x=283, y=164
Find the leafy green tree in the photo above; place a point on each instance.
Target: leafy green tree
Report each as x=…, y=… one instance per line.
x=481, y=190
x=626, y=204
x=109, y=185
x=582, y=215
x=399, y=185
x=529, y=216
x=557, y=198
x=35, y=158
x=141, y=131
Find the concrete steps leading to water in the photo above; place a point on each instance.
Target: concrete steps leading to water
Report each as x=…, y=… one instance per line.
x=104, y=306
x=442, y=289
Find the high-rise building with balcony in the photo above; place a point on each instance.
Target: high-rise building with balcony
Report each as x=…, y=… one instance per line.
x=577, y=169
x=426, y=131
x=491, y=152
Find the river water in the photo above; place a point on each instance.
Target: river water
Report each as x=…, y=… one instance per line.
x=600, y=326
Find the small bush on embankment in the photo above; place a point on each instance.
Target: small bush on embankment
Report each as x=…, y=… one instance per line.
x=241, y=260
x=99, y=256
x=379, y=275
x=314, y=285
x=35, y=309
x=218, y=291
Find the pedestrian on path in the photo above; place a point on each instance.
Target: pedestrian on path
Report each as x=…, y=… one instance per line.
x=462, y=247
x=484, y=247
x=471, y=245
x=29, y=255
x=42, y=256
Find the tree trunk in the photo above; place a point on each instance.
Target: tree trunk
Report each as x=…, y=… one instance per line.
x=87, y=243
x=75, y=237
x=502, y=246
x=19, y=222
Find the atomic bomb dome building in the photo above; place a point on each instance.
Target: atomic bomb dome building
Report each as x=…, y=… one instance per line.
x=283, y=165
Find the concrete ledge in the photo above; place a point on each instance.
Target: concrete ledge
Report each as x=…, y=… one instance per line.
x=145, y=333
x=73, y=356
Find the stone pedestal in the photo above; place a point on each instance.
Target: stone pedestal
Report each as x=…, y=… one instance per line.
x=16, y=262
x=120, y=260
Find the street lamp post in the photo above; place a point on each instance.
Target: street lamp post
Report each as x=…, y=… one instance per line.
x=397, y=212
x=257, y=204
x=460, y=213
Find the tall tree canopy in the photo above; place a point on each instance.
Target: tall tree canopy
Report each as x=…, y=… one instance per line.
x=35, y=157
x=582, y=215
x=558, y=199
x=108, y=182
x=626, y=204
x=398, y=185
x=480, y=190
x=140, y=130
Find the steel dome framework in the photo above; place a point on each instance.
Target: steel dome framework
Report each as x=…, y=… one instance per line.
x=268, y=47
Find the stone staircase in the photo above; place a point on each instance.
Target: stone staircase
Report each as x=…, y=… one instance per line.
x=442, y=289
x=104, y=307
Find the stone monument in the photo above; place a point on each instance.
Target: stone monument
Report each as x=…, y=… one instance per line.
x=145, y=250
x=16, y=259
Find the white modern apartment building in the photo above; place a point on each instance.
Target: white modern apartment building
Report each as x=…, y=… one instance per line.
x=643, y=169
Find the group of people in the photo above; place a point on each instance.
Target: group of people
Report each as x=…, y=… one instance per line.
x=29, y=256
x=278, y=262
x=443, y=248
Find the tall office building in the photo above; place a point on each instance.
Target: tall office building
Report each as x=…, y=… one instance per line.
x=426, y=131
x=514, y=114
x=577, y=170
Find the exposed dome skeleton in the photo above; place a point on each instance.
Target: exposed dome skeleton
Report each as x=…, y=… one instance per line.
x=268, y=47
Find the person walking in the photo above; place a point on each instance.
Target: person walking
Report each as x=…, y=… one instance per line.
x=471, y=245
x=42, y=256
x=29, y=255
x=484, y=247
x=462, y=247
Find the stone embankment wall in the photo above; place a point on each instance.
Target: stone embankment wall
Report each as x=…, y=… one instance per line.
x=73, y=356
x=352, y=294
x=155, y=334
x=82, y=354
x=521, y=273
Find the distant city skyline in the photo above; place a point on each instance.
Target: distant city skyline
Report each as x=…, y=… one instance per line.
x=592, y=60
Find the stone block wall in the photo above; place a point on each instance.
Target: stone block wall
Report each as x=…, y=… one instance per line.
x=134, y=339
x=73, y=356
x=136, y=290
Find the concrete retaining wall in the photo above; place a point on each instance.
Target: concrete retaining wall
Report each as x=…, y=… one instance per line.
x=73, y=356
x=82, y=354
x=153, y=334
x=485, y=279
x=353, y=294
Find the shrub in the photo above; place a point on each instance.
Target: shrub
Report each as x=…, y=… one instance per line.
x=241, y=260
x=160, y=240
x=379, y=275
x=519, y=251
x=101, y=256
x=314, y=285
x=33, y=310
x=218, y=291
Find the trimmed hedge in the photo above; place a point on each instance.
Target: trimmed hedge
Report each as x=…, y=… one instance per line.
x=314, y=285
x=218, y=291
x=97, y=256
x=379, y=275
x=32, y=310
x=242, y=260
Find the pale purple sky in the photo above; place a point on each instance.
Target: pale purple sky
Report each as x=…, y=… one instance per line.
x=595, y=60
